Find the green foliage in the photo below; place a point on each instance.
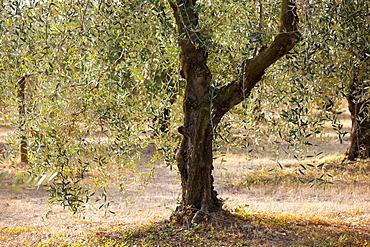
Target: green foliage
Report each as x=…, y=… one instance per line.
x=97, y=72
x=303, y=91
x=23, y=180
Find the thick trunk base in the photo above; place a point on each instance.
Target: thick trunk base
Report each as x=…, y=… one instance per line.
x=189, y=217
x=194, y=158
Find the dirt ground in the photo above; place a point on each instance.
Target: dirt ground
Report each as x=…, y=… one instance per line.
x=25, y=216
x=27, y=209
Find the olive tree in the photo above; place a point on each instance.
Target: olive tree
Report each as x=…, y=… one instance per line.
x=204, y=106
x=107, y=86
x=330, y=65
x=358, y=104
x=337, y=55
x=353, y=39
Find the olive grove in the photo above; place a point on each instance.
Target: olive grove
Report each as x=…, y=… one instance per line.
x=92, y=87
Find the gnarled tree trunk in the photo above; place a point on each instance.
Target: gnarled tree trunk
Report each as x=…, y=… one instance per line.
x=204, y=106
x=359, y=107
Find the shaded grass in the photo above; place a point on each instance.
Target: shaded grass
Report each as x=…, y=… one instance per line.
x=250, y=229
x=239, y=229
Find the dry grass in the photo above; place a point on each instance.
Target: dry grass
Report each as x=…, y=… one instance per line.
x=268, y=204
x=271, y=208
x=280, y=192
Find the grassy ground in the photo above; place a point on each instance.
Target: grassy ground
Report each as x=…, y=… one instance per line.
x=239, y=229
x=268, y=209
x=292, y=204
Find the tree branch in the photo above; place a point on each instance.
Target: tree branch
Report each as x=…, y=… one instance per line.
x=187, y=22
x=253, y=70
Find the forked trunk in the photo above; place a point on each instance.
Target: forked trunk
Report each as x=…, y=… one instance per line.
x=205, y=106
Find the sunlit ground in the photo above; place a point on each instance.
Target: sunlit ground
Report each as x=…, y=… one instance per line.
x=257, y=187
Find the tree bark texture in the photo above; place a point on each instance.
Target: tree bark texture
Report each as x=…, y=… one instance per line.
x=22, y=121
x=359, y=107
x=204, y=106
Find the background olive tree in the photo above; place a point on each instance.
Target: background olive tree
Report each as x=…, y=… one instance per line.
x=352, y=19
x=328, y=66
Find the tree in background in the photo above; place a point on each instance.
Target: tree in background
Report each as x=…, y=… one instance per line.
x=359, y=106
x=329, y=65
x=23, y=152
x=337, y=60
x=353, y=39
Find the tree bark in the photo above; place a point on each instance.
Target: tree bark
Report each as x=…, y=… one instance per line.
x=204, y=106
x=359, y=107
x=22, y=121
